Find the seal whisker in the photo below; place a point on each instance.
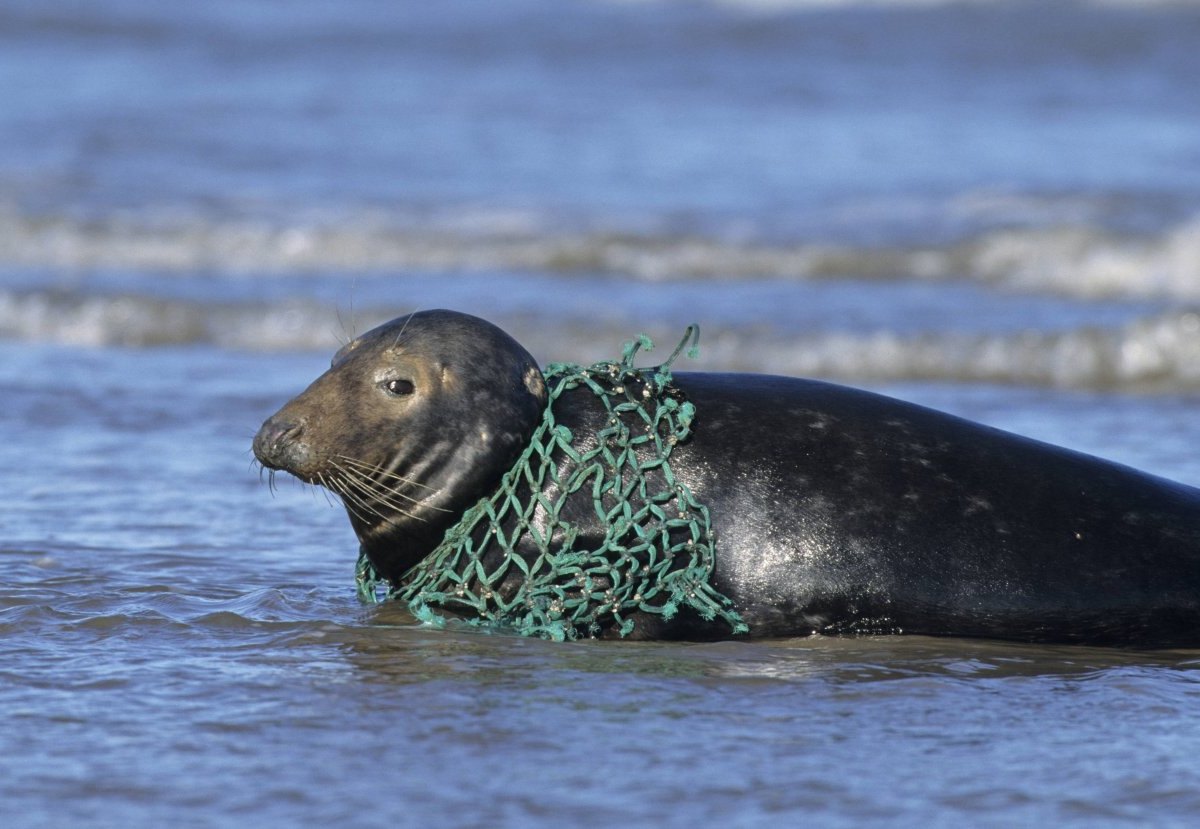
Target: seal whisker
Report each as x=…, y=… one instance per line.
x=368, y=505
x=326, y=490
x=381, y=471
x=384, y=493
x=352, y=502
x=347, y=333
x=383, y=496
x=359, y=490
x=372, y=475
x=353, y=509
x=368, y=489
x=407, y=320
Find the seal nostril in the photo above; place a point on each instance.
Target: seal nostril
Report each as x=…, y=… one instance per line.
x=288, y=431
x=275, y=443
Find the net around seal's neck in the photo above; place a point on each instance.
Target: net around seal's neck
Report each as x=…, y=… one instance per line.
x=513, y=561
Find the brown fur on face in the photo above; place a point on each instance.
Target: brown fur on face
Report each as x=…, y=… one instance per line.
x=411, y=424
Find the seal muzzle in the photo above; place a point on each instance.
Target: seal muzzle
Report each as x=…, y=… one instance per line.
x=278, y=446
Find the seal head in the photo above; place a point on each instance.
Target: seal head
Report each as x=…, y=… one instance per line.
x=413, y=422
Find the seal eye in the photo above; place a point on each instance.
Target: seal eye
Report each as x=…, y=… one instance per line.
x=398, y=387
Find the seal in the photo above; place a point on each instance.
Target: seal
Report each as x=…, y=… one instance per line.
x=835, y=510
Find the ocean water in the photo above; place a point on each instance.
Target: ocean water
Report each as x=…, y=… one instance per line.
x=986, y=206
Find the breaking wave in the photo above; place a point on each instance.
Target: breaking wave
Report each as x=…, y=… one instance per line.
x=1078, y=261
x=1157, y=352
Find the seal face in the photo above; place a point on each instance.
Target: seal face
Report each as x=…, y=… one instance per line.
x=411, y=424
x=834, y=510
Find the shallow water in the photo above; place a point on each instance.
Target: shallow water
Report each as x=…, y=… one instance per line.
x=991, y=208
x=180, y=646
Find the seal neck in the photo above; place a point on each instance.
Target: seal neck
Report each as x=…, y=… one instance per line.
x=455, y=472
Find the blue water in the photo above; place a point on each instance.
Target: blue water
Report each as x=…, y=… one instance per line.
x=988, y=207
x=701, y=115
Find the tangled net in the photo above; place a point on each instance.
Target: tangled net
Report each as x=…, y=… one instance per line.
x=514, y=560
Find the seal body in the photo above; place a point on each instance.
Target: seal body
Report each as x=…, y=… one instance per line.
x=839, y=510
x=835, y=510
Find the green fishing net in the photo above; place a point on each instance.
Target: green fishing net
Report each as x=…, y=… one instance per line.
x=515, y=561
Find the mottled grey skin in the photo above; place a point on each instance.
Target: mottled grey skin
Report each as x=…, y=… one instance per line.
x=836, y=510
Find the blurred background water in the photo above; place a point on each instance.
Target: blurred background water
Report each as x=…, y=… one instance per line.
x=991, y=207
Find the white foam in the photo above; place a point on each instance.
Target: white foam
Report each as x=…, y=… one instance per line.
x=1075, y=260
x=141, y=322
x=1160, y=352
x=1155, y=353
x=1085, y=263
